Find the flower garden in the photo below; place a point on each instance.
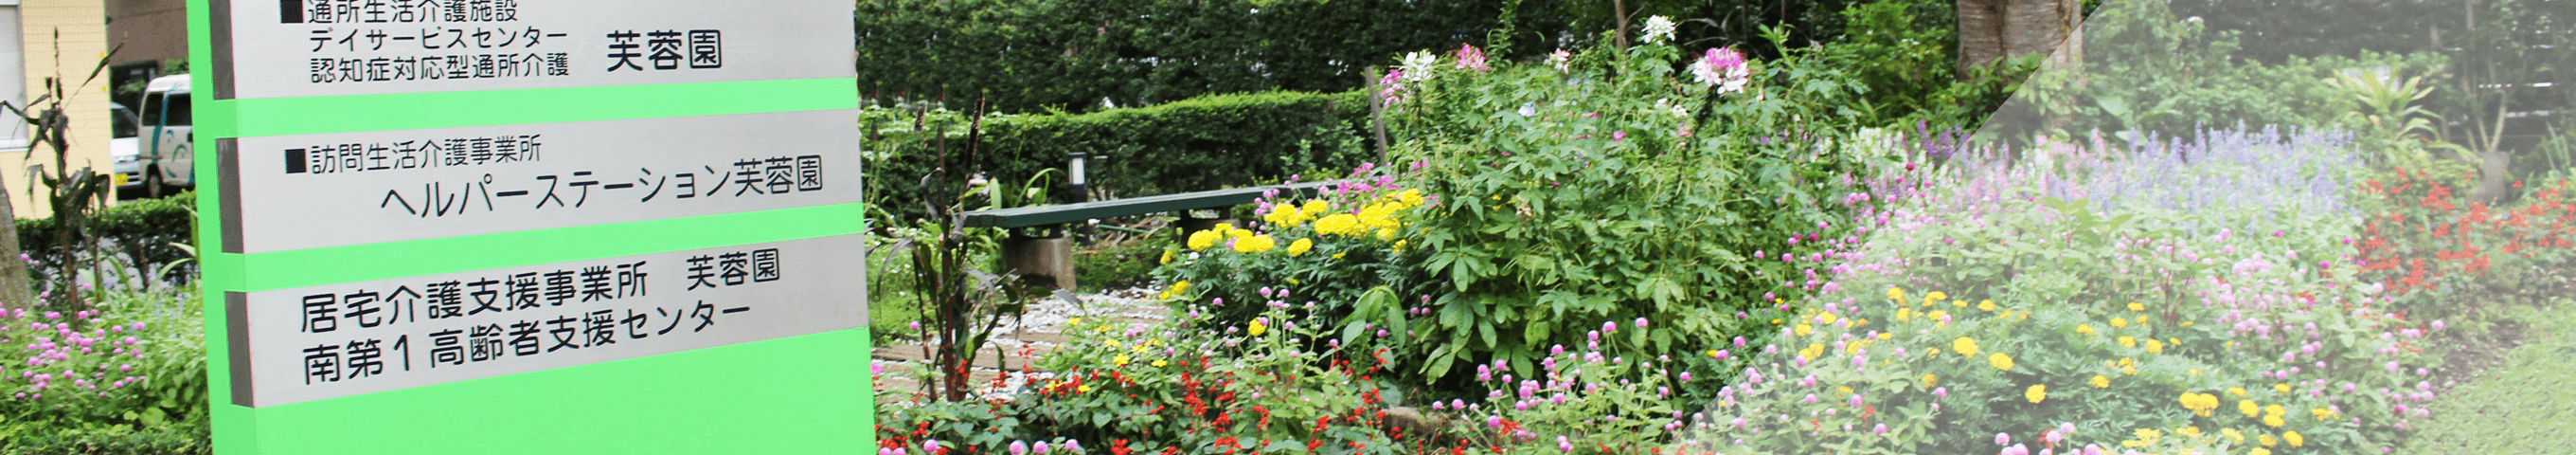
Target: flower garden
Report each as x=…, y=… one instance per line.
x=1667, y=250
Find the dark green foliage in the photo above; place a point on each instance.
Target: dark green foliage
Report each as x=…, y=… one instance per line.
x=144, y=232
x=1031, y=56
x=1106, y=267
x=1200, y=144
x=111, y=442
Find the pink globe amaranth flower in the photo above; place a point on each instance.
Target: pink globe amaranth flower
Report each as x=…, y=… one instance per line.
x=1618, y=135
x=1941, y=392
x=1564, y=445
x=2003, y=438
x=1019, y=447
x=1641, y=323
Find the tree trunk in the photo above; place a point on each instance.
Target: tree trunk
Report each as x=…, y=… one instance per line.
x=1991, y=30
x=2495, y=177
x=1981, y=33
x=16, y=291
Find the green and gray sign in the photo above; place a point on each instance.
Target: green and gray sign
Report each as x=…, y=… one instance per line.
x=532, y=226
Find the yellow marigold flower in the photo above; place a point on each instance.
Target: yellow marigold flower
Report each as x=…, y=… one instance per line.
x=2128, y=342
x=1386, y=234
x=2155, y=347
x=1341, y=224
x=2238, y=391
x=1827, y=318
x=1338, y=255
x=1804, y=329
x=1255, y=244
x=2190, y=431
x=2037, y=393
x=1284, y=216
x=1886, y=335
x=1256, y=328
x=2194, y=371
x=1167, y=256
x=2259, y=451
x=1846, y=390
x=1936, y=296
x=2176, y=342
x=1896, y=293
x=2294, y=439
x=2119, y=323
x=1315, y=206
x=2131, y=371
x=2268, y=441
x=2186, y=323
x=1965, y=346
x=1961, y=303
x=1813, y=351
x=2281, y=387
x=1158, y=363
x=2086, y=329
x=1203, y=239
x=2248, y=407
x=1300, y=247
x=1293, y=281
x=2134, y=306
x=2273, y=421
x=1712, y=353
x=2274, y=410
x=2000, y=361
x=2126, y=361
x=1988, y=305
x=1930, y=381
x=2101, y=382
x=1177, y=289
x=1399, y=246
x=1085, y=388
x=1903, y=314
x=1120, y=360
x=2232, y=434
x=2322, y=413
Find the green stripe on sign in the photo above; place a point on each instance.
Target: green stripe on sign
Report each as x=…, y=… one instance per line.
x=323, y=266
x=412, y=111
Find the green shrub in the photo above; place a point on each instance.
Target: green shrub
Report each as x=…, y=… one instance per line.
x=1615, y=189
x=143, y=233
x=1207, y=143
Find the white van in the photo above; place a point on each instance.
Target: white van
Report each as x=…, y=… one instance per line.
x=162, y=146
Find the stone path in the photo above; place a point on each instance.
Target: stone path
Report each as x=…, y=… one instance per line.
x=1018, y=342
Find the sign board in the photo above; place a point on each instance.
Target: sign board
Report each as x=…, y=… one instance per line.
x=532, y=226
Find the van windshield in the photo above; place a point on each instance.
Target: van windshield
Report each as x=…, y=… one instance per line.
x=157, y=106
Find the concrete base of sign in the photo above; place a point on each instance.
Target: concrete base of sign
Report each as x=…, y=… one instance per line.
x=1044, y=261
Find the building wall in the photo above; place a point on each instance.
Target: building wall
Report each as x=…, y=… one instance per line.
x=82, y=26
x=150, y=30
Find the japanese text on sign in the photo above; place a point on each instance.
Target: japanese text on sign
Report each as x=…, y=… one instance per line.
x=364, y=337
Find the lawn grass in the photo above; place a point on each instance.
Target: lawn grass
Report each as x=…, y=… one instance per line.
x=2525, y=405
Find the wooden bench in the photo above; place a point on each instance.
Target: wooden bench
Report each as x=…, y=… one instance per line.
x=1051, y=255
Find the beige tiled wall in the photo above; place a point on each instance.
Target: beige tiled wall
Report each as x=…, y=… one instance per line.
x=82, y=28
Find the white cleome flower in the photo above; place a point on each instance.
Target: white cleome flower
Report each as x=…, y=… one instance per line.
x=1417, y=65
x=1658, y=30
x=1529, y=109
x=1560, y=59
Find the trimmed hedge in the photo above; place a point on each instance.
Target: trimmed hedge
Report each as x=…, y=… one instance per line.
x=1204, y=143
x=1030, y=56
x=141, y=231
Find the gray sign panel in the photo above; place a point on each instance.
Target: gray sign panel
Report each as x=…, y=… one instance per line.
x=297, y=345
x=285, y=48
x=324, y=190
